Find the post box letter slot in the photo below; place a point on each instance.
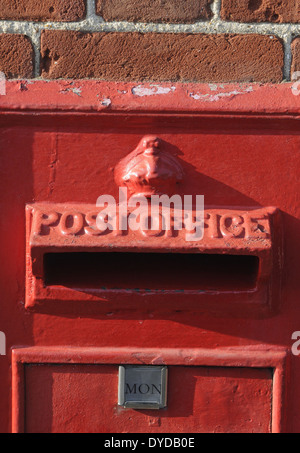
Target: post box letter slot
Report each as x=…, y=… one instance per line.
x=151, y=271
x=233, y=268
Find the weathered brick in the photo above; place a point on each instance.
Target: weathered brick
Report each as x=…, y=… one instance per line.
x=16, y=56
x=174, y=11
x=161, y=57
x=281, y=11
x=296, y=57
x=54, y=10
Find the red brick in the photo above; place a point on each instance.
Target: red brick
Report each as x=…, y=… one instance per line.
x=176, y=11
x=296, y=56
x=16, y=56
x=54, y=10
x=161, y=57
x=281, y=11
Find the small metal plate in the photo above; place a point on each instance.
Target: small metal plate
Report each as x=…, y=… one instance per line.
x=143, y=387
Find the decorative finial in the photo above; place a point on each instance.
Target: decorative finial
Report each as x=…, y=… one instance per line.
x=149, y=169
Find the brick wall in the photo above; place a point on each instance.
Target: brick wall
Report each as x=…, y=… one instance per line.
x=151, y=40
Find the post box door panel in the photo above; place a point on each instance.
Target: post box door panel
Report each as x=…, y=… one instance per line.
x=67, y=284
x=82, y=398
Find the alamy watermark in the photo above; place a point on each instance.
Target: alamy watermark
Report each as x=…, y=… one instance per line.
x=159, y=213
x=296, y=345
x=2, y=84
x=2, y=343
x=296, y=86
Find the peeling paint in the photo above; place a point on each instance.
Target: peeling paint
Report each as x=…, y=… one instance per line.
x=141, y=91
x=218, y=96
x=24, y=85
x=213, y=86
x=106, y=102
x=76, y=91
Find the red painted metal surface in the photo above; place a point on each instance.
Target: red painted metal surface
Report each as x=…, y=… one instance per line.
x=136, y=298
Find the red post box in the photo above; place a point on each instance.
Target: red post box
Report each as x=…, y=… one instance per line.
x=151, y=248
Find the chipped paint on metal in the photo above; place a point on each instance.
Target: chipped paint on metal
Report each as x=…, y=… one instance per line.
x=141, y=91
x=106, y=102
x=216, y=97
